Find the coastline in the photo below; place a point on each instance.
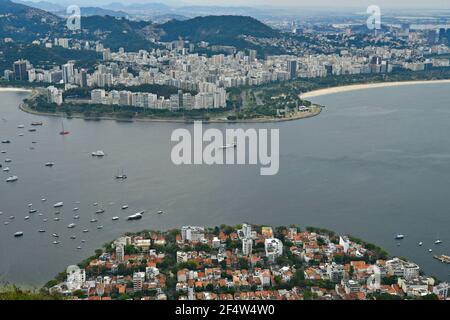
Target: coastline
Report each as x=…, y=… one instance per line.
x=23, y=107
x=355, y=87
x=8, y=89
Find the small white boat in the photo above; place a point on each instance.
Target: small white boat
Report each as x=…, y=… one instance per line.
x=136, y=216
x=75, y=209
x=42, y=231
x=71, y=226
x=56, y=219
x=76, y=217
x=43, y=199
x=115, y=218
x=40, y=214
x=27, y=218
x=99, y=227
x=21, y=134
x=3, y=151
x=55, y=235
x=58, y=205
x=49, y=164
x=94, y=220
x=85, y=231
x=20, y=126
x=420, y=243
x=32, y=211
x=12, y=179
x=8, y=160
x=12, y=218
x=160, y=212
x=73, y=237
x=430, y=250
x=125, y=207
x=6, y=169
x=438, y=242
x=6, y=223
x=30, y=205
x=45, y=220
x=95, y=204
x=98, y=153
x=100, y=211
x=55, y=242
x=18, y=234
x=399, y=237
x=79, y=248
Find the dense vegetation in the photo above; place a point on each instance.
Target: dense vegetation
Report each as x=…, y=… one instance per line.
x=15, y=293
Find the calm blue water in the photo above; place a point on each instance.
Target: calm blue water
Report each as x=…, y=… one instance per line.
x=374, y=164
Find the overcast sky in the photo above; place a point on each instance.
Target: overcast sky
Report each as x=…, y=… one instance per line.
x=406, y=4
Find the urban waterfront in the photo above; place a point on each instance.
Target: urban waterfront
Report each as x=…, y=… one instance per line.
x=374, y=164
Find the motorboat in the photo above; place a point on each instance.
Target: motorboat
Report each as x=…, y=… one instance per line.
x=75, y=209
x=98, y=153
x=76, y=217
x=160, y=212
x=32, y=130
x=85, y=231
x=32, y=211
x=99, y=227
x=58, y=205
x=125, y=207
x=42, y=231
x=37, y=123
x=73, y=237
x=20, y=126
x=6, y=141
x=12, y=179
x=420, y=243
x=136, y=216
x=49, y=164
x=94, y=220
x=115, y=218
x=6, y=169
x=27, y=218
x=438, y=242
x=71, y=226
x=56, y=219
x=55, y=235
x=8, y=160
x=55, y=242
x=100, y=211
x=18, y=234
x=400, y=237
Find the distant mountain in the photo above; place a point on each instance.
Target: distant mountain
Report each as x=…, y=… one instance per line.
x=96, y=11
x=137, y=6
x=22, y=22
x=216, y=29
x=43, y=5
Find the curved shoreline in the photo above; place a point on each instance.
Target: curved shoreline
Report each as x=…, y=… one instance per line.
x=364, y=86
x=23, y=107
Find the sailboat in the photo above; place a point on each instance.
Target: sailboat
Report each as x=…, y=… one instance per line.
x=63, y=132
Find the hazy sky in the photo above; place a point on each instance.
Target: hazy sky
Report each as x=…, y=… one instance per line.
x=406, y=4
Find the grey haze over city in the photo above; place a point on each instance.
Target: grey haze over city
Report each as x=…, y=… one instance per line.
x=290, y=4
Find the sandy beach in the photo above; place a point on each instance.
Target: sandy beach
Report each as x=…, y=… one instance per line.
x=6, y=89
x=348, y=88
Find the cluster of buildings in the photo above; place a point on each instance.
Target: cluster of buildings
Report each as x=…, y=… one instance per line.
x=245, y=263
x=177, y=64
